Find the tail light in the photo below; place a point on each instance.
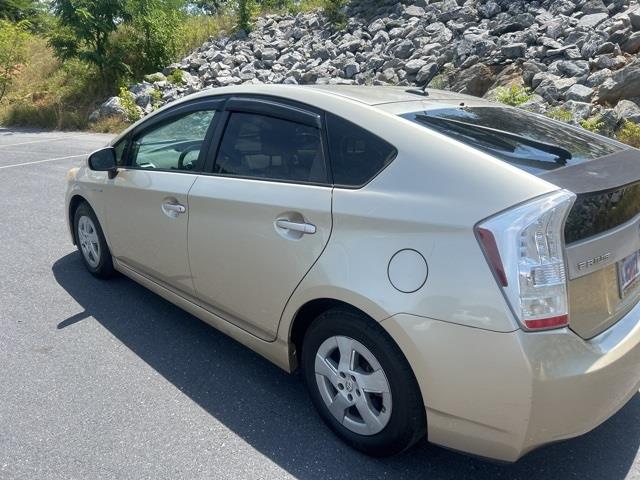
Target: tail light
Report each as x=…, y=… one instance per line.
x=524, y=247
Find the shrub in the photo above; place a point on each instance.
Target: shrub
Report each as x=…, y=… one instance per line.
x=335, y=11
x=561, y=114
x=131, y=110
x=629, y=133
x=513, y=95
x=176, y=77
x=593, y=124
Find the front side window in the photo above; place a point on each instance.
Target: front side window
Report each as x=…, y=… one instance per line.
x=529, y=142
x=356, y=154
x=120, y=148
x=258, y=146
x=173, y=145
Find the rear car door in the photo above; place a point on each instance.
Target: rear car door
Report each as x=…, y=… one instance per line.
x=261, y=219
x=147, y=208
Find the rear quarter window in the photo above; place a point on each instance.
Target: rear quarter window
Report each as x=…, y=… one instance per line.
x=357, y=155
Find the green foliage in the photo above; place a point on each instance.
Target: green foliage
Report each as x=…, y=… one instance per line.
x=560, y=114
x=13, y=40
x=155, y=77
x=151, y=34
x=629, y=133
x=83, y=32
x=122, y=38
x=335, y=11
x=593, y=124
x=513, y=95
x=156, y=97
x=210, y=7
x=176, y=77
x=131, y=110
x=247, y=9
x=17, y=10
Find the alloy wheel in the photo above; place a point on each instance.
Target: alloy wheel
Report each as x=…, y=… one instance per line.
x=89, y=242
x=353, y=385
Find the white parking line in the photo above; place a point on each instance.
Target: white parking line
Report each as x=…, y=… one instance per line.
x=34, y=141
x=42, y=161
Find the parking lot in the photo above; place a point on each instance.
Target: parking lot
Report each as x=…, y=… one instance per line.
x=107, y=380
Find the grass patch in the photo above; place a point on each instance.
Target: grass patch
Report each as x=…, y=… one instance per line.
x=629, y=133
x=109, y=125
x=50, y=94
x=513, y=95
x=200, y=28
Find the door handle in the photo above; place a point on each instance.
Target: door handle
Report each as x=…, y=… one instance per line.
x=174, y=207
x=308, y=228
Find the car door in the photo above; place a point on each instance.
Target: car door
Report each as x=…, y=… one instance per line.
x=148, y=211
x=262, y=218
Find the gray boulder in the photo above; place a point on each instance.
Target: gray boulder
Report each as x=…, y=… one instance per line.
x=579, y=93
x=632, y=45
x=627, y=110
x=624, y=83
x=112, y=107
x=514, y=50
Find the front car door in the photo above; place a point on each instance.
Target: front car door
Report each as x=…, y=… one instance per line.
x=147, y=205
x=263, y=217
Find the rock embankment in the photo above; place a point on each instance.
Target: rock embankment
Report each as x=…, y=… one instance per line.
x=580, y=55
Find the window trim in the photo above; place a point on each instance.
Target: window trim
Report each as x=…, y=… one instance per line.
x=270, y=108
x=282, y=111
x=165, y=118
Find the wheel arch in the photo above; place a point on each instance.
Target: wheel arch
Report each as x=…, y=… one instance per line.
x=306, y=314
x=74, y=203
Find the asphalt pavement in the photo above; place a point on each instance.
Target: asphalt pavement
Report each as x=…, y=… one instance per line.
x=104, y=379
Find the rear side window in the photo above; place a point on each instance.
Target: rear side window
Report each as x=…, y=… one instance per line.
x=357, y=155
x=263, y=147
x=527, y=141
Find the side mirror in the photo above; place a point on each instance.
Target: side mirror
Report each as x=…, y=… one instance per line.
x=104, y=160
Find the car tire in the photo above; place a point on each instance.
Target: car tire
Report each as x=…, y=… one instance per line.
x=354, y=383
x=91, y=242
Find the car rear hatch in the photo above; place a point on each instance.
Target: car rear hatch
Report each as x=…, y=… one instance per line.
x=602, y=237
x=602, y=233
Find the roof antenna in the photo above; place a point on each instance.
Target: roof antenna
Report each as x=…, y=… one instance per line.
x=419, y=91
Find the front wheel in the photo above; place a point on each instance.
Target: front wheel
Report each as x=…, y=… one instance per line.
x=361, y=383
x=91, y=242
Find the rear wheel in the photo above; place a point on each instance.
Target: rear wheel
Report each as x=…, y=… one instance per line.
x=361, y=383
x=91, y=242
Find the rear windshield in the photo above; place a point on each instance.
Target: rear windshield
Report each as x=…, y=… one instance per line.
x=527, y=141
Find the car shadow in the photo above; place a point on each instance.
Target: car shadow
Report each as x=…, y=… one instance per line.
x=269, y=408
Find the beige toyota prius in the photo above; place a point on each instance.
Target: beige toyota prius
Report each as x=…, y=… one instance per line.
x=437, y=265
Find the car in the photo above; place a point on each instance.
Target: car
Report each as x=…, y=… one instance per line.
x=435, y=264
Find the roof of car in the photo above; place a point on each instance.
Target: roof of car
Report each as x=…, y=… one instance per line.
x=392, y=99
x=369, y=95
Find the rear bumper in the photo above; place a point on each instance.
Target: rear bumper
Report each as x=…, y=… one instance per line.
x=500, y=395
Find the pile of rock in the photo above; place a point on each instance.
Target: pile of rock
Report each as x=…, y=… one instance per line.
x=578, y=54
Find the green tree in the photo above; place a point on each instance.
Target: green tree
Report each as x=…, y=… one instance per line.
x=83, y=32
x=13, y=39
x=17, y=10
x=210, y=7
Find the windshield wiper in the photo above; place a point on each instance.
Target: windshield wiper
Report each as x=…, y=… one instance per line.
x=562, y=154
